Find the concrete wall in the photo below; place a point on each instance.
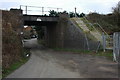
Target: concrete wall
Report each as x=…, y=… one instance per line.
x=55, y=33
x=39, y=18
x=60, y=30
x=74, y=38
x=67, y=35
x=63, y=34
x=50, y=35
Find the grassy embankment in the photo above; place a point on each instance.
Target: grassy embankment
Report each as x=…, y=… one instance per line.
x=85, y=31
x=108, y=22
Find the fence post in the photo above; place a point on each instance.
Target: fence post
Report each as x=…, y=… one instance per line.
x=104, y=42
x=116, y=46
x=118, y=55
x=98, y=46
x=26, y=10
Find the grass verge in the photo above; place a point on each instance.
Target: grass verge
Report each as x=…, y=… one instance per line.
x=107, y=54
x=16, y=64
x=71, y=50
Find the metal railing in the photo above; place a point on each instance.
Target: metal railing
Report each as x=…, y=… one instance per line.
x=38, y=9
x=107, y=42
x=91, y=24
x=100, y=27
x=108, y=39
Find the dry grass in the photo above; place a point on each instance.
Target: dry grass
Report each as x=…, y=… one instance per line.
x=108, y=22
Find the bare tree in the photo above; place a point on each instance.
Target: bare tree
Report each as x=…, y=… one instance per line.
x=117, y=8
x=116, y=12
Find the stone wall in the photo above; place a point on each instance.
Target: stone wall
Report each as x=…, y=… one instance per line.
x=18, y=17
x=11, y=40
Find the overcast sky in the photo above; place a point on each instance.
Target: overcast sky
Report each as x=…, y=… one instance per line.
x=86, y=6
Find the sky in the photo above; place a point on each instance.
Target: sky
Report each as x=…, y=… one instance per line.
x=85, y=6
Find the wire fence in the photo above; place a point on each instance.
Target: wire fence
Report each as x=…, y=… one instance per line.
x=109, y=42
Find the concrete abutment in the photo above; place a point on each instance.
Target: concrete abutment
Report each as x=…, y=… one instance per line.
x=60, y=32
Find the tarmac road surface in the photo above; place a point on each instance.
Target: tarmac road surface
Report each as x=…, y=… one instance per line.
x=46, y=63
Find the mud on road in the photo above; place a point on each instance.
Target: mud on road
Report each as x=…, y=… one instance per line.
x=87, y=66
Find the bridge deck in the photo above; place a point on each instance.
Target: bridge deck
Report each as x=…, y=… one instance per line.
x=40, y=23
x=40, y=18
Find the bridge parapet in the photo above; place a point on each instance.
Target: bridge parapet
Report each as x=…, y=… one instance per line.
x=40, y=18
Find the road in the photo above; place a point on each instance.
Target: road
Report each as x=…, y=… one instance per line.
x=46, y=63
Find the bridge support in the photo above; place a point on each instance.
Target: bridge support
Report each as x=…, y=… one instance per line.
x=55, y=34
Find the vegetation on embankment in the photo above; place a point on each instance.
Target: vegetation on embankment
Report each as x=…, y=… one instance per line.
x=12, y=49
x=16, y=64
x=109, y=22
x=107, y=54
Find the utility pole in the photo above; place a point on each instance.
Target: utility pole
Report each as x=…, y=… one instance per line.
x=42, y=10
x=75, y=12
x=20, y=6
x=57, y=9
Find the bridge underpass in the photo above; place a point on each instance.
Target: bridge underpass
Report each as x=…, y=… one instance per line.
x=60, y=32
x=49, y=64
x=49, y=25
